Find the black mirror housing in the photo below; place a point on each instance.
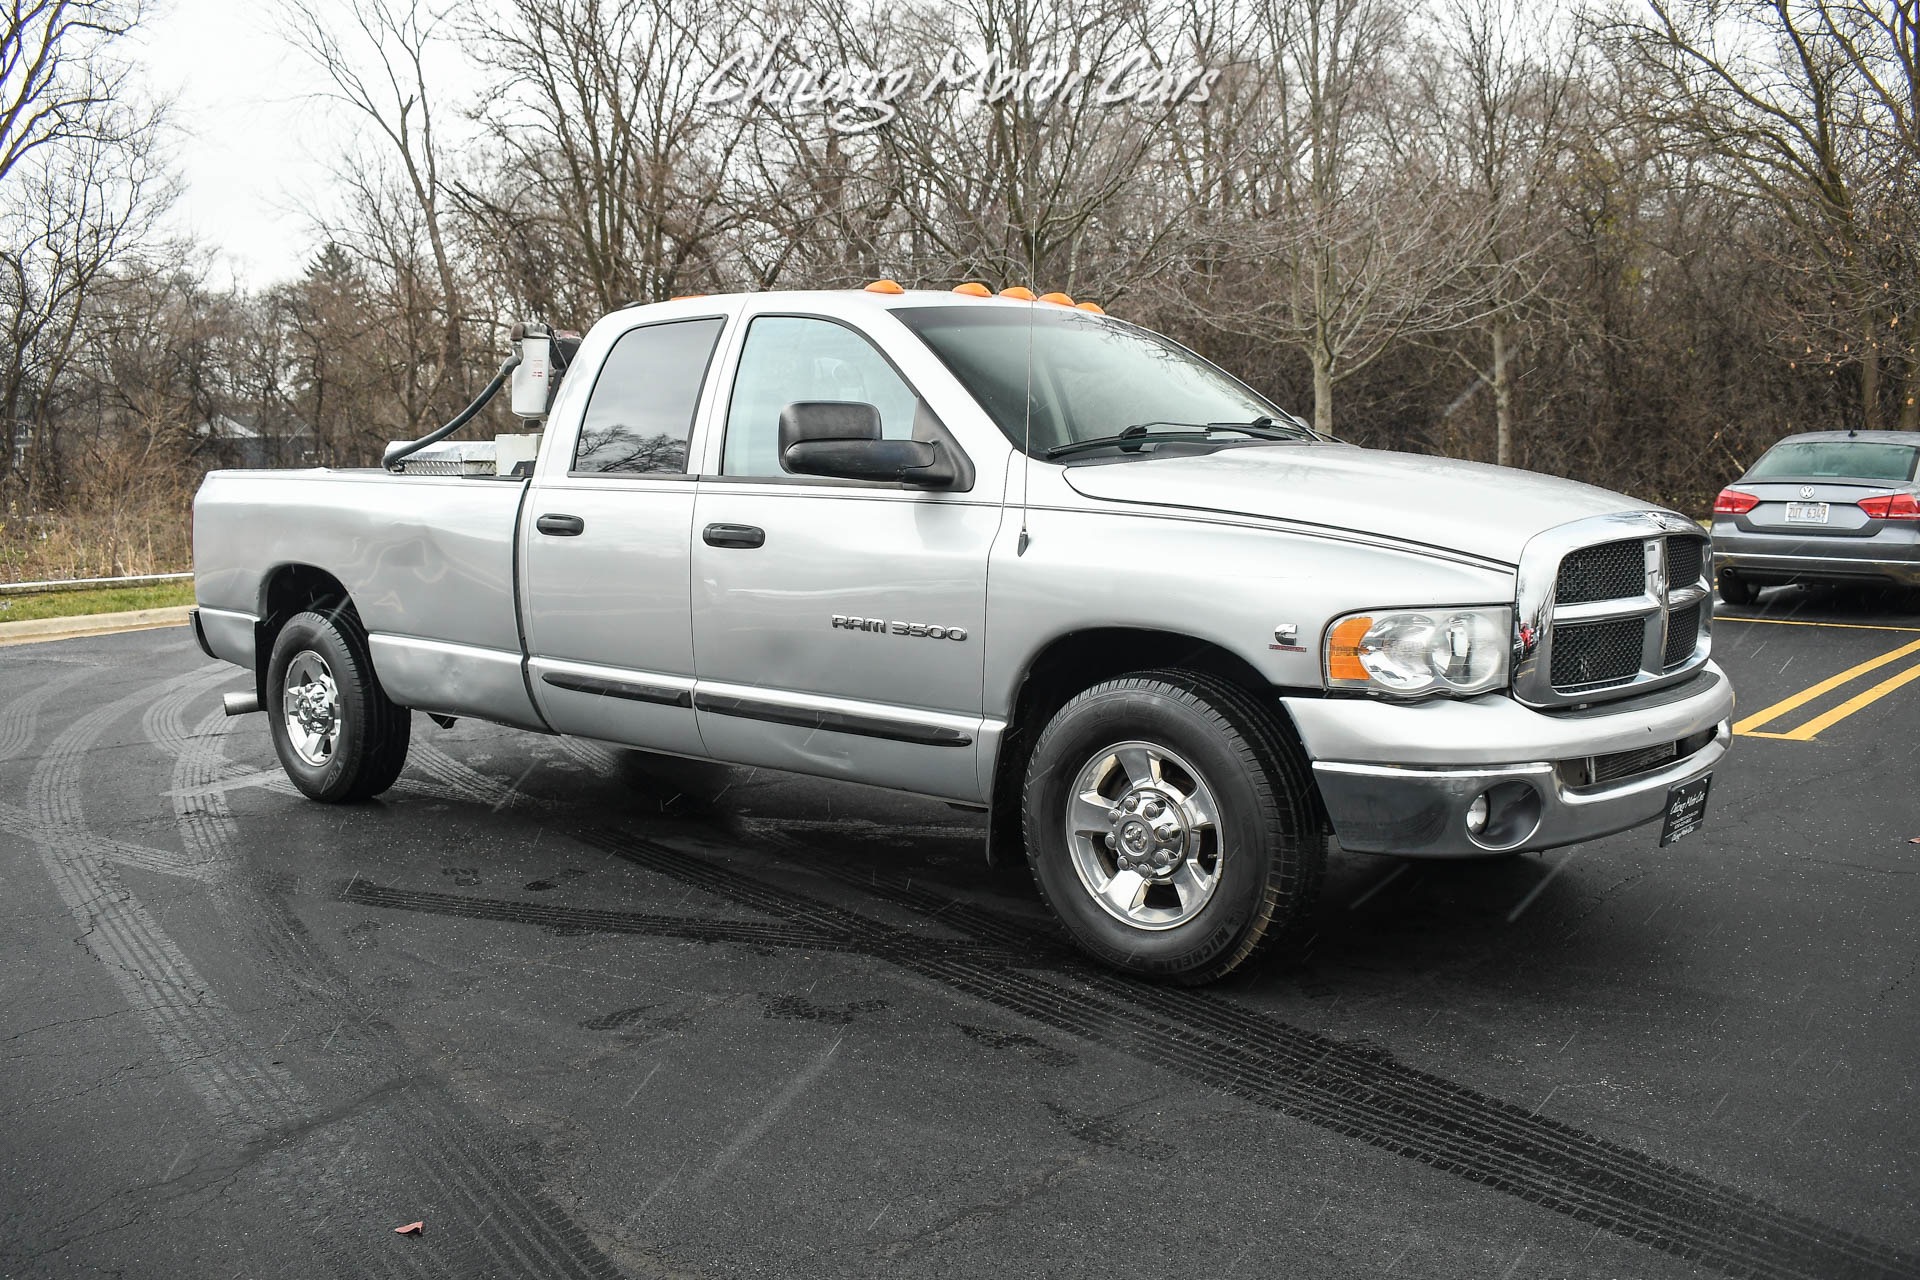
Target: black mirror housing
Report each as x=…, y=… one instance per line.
x=841, y=439
x=806, y=420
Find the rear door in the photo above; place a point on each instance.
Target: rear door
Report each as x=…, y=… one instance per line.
x=838, y=625
x=606, y=568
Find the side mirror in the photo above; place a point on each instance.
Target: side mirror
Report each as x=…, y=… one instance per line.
x=842, y=439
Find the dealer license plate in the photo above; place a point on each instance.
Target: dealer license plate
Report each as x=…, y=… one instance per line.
x=1806, y=513
x=1686, y=809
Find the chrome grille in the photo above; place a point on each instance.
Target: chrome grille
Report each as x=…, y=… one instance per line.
x=1683, y=633
x=1588, y=654
x=1685, y=556
x=1610, y=605
x=1601, y=573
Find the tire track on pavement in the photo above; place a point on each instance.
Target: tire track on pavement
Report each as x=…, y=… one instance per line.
x=248, y=1095
x=518, y=1231
x=20, y=717
x=1356, y=1091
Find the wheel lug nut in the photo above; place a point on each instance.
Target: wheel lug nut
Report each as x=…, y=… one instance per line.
x=1155, y=808
x=1111, y=842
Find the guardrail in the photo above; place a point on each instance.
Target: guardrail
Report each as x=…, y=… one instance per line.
x=86, y=584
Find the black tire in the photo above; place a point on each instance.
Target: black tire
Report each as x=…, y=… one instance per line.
x=1736, y=590
x=365, y=753
x=1268, y=838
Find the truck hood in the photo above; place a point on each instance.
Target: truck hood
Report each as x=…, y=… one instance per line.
x=1483, y=510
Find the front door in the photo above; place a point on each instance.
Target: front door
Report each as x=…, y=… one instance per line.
x=605, y=587
x=838, y=625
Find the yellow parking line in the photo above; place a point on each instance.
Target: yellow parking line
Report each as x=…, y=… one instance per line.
x=1719, y=618
x=1828, y=719
x=1778, y=709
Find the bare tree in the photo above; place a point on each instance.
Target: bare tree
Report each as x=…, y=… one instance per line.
x=375, y=55
x=1803, y=105
x=611, y=177
x=59, y=80
x=1341, y=237
x=1499, y=91
x=74, y=214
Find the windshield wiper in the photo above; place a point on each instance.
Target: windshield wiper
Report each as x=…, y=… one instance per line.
x=1137, y=434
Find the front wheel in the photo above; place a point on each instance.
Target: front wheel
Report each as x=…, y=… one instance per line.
x=336, y=732
x=1170, y=826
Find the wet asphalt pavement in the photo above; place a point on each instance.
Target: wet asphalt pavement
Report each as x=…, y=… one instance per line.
x=592, y=1013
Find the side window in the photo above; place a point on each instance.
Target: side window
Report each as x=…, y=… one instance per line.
x=791, y=358
x=640, y=414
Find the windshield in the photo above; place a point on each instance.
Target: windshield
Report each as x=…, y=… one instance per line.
x=1092, y=377
x=1841, y=459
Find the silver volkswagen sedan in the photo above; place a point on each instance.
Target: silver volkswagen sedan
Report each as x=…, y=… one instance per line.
x=1827, y=506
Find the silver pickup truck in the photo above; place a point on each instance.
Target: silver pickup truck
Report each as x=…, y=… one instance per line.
x=1014, y=554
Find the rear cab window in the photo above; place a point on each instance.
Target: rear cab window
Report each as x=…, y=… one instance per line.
x=640, y=414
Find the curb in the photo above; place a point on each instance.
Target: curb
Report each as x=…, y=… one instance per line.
x=91, y=624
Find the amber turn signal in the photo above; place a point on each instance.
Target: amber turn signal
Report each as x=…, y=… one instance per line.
x=1343, y=650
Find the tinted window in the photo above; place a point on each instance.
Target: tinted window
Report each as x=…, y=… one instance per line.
x=1841, y=459
x=641, y=411
x=793, y=358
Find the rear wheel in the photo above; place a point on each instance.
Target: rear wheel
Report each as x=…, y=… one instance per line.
x=1736, y=590
x=338, y=735
x=1170, y=825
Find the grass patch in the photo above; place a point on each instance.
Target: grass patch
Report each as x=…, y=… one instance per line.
x=69, y=604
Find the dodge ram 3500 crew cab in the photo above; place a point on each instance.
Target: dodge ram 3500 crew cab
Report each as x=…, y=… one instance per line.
x=1011, y=554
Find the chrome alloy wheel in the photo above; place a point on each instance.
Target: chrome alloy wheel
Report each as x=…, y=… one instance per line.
x=311, y=706
x=1144, y=832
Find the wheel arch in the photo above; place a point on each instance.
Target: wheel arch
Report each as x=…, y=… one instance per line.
x=1079, y=660
x=287, y=590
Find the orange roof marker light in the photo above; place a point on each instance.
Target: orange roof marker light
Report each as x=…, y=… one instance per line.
x=1019, y=293
x=1057, y=299
x=1094, y=307
x=885, y=286
x=973, y=289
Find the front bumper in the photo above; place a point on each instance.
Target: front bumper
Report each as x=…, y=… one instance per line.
x=1400, y=779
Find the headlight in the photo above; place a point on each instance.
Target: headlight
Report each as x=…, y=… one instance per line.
x=1411, y=654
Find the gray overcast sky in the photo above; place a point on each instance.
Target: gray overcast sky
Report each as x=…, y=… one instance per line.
x=251, y=150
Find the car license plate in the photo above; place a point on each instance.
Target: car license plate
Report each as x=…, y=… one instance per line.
x=1806, y=513
x=1686, y=809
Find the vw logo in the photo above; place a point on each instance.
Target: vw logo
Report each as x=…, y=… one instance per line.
x=1806, y=491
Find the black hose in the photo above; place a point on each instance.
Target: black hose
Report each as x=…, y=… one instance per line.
x=401, y=451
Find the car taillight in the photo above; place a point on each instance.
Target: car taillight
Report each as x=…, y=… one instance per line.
x=1891, y=506
x=1732, y=502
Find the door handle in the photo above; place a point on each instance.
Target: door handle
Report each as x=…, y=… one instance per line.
x=735, y=535
x=561, y=526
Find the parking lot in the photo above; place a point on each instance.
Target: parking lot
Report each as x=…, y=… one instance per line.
x=588, y=1012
